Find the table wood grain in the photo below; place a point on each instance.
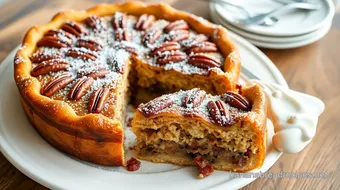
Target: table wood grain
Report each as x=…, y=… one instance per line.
x=313, y=69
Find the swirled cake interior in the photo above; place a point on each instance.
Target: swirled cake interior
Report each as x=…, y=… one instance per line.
x=182, y=126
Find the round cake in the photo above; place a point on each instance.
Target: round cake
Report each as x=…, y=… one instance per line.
x=77, y=73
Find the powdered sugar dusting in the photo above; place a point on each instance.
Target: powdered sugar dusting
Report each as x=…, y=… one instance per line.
x=19, y=59
x=112, y=55
x=157, y=106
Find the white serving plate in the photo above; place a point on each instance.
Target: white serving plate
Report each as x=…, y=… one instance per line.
x=269, y=39
x=33, y=156
x=293, y=23
x=273, y=42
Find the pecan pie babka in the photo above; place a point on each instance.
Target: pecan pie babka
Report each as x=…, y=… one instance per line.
x=227, y=131
x=74, y=73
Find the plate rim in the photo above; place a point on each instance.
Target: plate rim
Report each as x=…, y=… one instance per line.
x=267, y=39
x=13, y=157
x=328, y=17
x=291, y=45
x=280, y=45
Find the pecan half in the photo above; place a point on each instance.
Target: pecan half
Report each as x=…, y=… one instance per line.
x=200, y=38
x=95, y=23
x=219, y=112
x=203, y=61
x=193, y=98
x=188, y=43
x=166, y=46
x=80, y=88
x=98, y=100
x=119, y=20
x=172, y=57
x=89, y=44
x=74, y=28
x=52, y=65
x=153, y=107
x=122, y=35
x=82, y=53
x=131, y=50
x=144, y=21
x=204, y=167
x=98, y=74
x=151, y=36
x=202, y=47
x=58, y=32
x=54, y=41
x=41, y=56
x=57, y=83
x=237, y=101
x=176, y=25
x=178, y=35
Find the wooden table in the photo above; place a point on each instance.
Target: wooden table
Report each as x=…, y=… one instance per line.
x=313, y=69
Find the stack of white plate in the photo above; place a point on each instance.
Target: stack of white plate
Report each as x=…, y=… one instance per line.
x=294, y=29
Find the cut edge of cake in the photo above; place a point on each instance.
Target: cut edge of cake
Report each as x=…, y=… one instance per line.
x=174, y=135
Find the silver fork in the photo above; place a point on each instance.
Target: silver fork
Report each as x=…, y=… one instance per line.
x=270, y=21
x=259, y=18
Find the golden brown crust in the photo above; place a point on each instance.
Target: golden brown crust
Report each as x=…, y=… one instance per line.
x=105, y=153
x=95, y=130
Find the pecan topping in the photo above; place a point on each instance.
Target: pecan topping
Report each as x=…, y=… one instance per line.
x=122, y=35
x=203, y=47
x=166, y=46
x=193, y=98
x=98, y=100
x=40, y=57
x=178, y=35
x=187, y=44
x=144, y=21
x=153, y=107
x=173, y=57
x=89, y=44
x=74, y=28
x=203, y=61
x=98, y=74
x=132, y=164
x=80, y=88
x=176, y=25
x=204, y=167
x=219, y=112
x=52, y=65
x=82, y=53
x=237, y=101
x=119, y=20
x=200, y=38
x=56, y=84
x=128, y=49
x=54, y=41
x=59, y=33
x=151, y=36
x=131, y=50
x=95, y=23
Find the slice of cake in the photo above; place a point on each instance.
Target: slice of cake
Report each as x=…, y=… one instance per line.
x=226, y=132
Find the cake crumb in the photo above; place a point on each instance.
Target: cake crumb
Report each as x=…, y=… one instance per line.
x=204, y=167
x=132, y=164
